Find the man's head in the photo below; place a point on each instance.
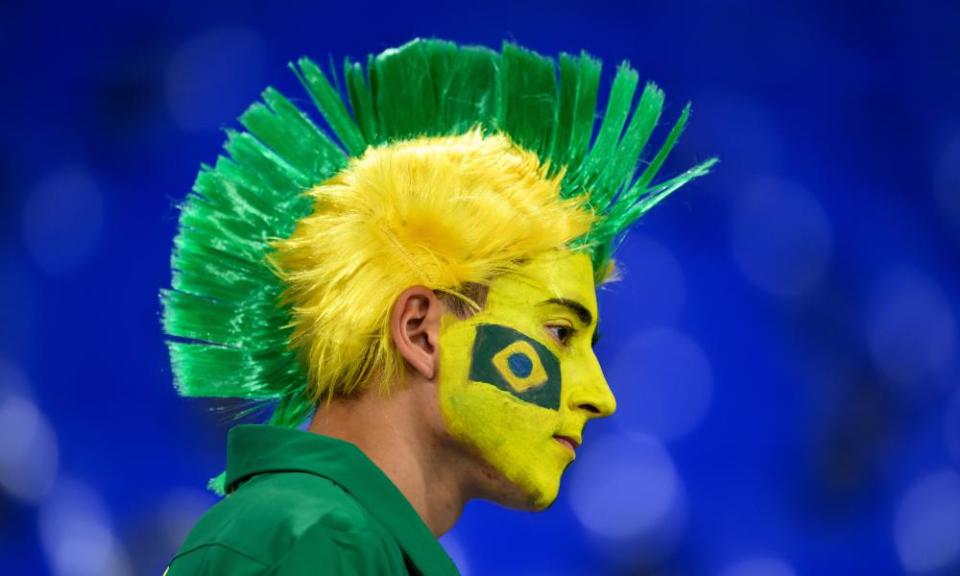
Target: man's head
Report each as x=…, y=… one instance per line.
x=514, y=383
x=454, y=168
x=442, y=212
x=519, y=380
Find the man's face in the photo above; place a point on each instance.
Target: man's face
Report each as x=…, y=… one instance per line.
x=519, y=380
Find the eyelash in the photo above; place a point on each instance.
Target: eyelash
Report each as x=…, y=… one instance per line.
x=555, y=329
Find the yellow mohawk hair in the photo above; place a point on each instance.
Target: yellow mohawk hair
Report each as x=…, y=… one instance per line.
x=440, y=212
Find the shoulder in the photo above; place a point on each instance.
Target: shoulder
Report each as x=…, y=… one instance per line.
x=215, y=558
x=278, y=516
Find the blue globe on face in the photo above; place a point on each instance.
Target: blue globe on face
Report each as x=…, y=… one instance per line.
x=520, y=364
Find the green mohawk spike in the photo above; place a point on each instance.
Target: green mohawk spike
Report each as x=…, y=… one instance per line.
x=230, y=332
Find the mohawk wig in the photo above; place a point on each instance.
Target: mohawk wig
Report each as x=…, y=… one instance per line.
x=444, y=165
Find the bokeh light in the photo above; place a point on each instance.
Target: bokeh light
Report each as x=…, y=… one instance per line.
x=759, y=566
x=214, y=76
x=911, y=328
x=927, y=525
x=663, y=382
x=457, y=553
x=62, y=220
x=12, y=379
x=626, y=490
x=28, y=453
x=153, y=536
x=781, y=238
x=76, y=533
x=179, y=511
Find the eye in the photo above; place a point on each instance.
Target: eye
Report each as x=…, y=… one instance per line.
x=561, y=332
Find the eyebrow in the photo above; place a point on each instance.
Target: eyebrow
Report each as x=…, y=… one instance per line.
x=577, y=308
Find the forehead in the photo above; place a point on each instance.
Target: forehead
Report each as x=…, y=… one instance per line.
x=555, y=275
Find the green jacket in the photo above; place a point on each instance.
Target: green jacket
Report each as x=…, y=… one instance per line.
x=300, y=503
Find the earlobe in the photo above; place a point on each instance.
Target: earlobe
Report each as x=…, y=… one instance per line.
x=415, y=329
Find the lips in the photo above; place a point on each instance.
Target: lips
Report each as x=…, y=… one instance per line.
x=568, y=441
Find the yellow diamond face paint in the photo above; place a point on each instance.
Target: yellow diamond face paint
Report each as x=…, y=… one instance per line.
x=519, y=364
x=519, y=380
x=516, y=363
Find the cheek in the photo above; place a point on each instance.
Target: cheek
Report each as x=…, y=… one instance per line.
x=512, y=436
x=502, y=427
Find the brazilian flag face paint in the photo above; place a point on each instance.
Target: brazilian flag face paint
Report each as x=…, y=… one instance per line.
x=522, y=372
x=516, y=364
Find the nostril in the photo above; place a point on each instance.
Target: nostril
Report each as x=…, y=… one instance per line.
x=590, y=408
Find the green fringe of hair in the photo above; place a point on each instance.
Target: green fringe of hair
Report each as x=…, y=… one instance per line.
x=229, y=334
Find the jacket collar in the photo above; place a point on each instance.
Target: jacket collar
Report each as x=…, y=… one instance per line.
x=258, y=449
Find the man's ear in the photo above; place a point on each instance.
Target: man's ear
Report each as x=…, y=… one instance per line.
x=415, y=328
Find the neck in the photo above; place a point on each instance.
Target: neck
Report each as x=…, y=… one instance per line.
x=395, y=433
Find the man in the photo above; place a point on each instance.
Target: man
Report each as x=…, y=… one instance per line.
x=420, y=292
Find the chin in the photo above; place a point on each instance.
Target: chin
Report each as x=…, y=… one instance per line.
x=532, y=486
x=539, y=495
x=542, y=503
x=523, y=493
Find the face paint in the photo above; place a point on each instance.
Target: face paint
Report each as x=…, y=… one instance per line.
x=509, y=387
x=516, y=364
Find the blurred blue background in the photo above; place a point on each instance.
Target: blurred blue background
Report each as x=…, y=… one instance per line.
x=784, y=344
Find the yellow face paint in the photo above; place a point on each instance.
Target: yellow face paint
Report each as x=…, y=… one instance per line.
x=522, y=372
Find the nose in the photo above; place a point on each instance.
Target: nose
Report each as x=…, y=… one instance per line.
x=590, y=393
